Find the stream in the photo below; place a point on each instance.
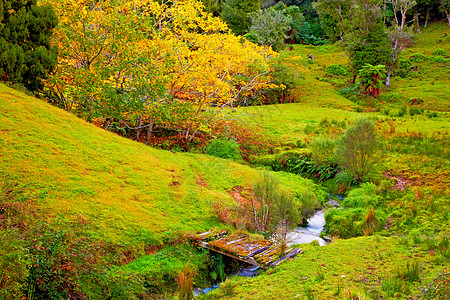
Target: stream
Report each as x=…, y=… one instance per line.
x=299, y=235
x=302, y=235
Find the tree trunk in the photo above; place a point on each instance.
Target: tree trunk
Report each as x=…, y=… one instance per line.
x=416, y=21
x=403, y=21
x=138, y=126
x=188, y=130
x=388, y=78
x=149, y=132
x=426, y=19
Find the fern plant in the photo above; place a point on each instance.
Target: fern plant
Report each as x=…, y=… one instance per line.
x=371, y=78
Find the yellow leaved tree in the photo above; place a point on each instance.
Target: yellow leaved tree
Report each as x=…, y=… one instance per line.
x=136, y=64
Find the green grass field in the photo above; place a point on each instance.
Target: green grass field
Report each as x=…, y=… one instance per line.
x=73, y=170
x=417, y=150
x=69, y=173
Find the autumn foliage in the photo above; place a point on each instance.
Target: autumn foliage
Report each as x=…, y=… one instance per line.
x=142, y=67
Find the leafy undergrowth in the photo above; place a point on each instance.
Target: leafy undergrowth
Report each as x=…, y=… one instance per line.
x=364, y=268
x=75, y=198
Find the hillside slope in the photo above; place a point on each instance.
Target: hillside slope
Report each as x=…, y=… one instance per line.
x=130, y=192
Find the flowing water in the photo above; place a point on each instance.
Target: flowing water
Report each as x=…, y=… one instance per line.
x=302, y=235
x=299, y=235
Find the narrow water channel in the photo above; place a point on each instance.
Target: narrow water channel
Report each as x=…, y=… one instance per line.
x=302, y=235
x=299, y=235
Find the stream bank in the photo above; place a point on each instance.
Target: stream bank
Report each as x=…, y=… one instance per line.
x=299, y=235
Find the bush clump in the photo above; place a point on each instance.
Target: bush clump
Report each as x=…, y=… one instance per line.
x=418, y=57
x=439, y=52
x=403, y=69
x=353, y=222
x=441, y=59
x=363, y=197
x=391, y=97
x=359, y=151
x=338, y=70
x=223, y=149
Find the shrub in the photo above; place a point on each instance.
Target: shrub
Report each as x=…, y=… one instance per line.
x=403, y=69
x=340, y=184
x=353, y=222
x=411, y=272
x=418, y=57
x=228, y=287
x=432, y=114
x=252, y=142
x=300, y=163
x=363, y=197
x=338, y=70
x=360, y=149
x=415, y=111
x=223, y=149
x=185, y=280
x=402, y=111
x=322, y=150
x=392, y=285
x=439, y=52
x=391, y=97
x=415, y=101
x=441, y=59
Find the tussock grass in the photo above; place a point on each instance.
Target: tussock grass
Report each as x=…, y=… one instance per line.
x=343, y=269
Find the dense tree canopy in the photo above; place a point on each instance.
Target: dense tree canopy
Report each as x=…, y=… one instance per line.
x=26, y=55
x=131, y=64
x=235, y=14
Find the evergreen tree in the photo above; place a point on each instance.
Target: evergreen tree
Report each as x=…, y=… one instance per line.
x=373, y=48
x=26, y=55
x=235, y=14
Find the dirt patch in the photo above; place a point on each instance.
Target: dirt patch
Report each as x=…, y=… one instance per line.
x=239, y=213
x=402, y=183
x=201, y=181
x=236, y=193
x=438, y=180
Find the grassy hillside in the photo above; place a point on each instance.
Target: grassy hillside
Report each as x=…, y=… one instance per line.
x=69, y=189
x=71, y=169
x=318, y=97
x=363, y=268
x=412, y=117
x=74, y=197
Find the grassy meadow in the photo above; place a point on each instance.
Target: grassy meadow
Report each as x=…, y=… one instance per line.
x=412, y=116
x=79, y=181
x=135, y=205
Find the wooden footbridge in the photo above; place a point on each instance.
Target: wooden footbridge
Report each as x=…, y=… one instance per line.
x=261, y=253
